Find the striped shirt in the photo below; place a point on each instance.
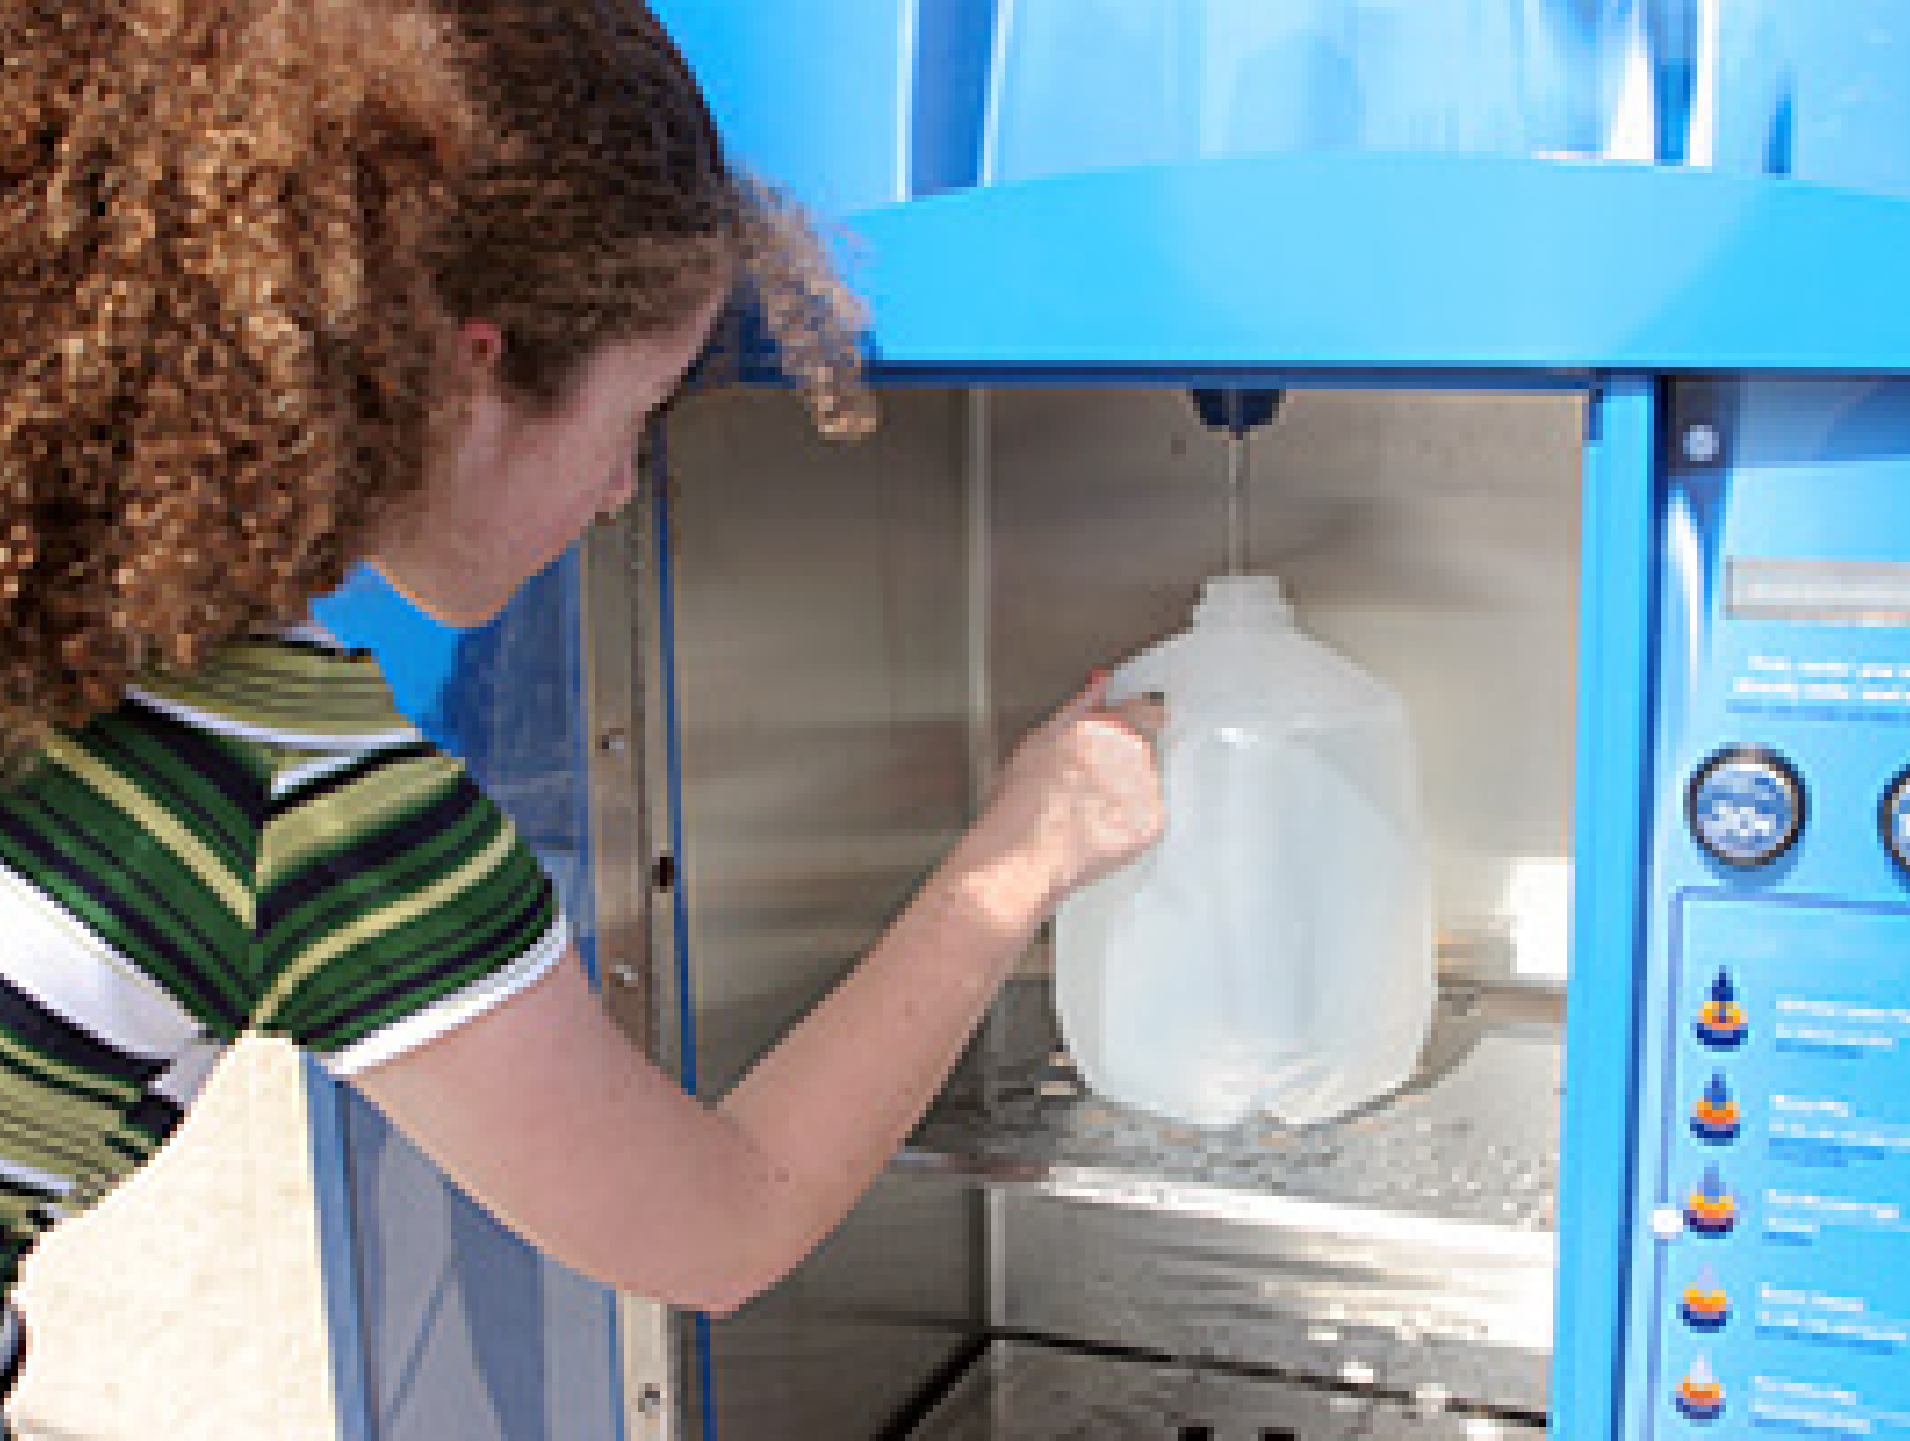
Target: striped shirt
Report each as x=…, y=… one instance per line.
x=264, y=845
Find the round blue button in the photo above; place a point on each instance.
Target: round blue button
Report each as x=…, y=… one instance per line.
x=1746, y=806
x=1895, y=819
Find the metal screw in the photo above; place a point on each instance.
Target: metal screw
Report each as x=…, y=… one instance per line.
x=614, y=742
x=650, y=1399
x=1702, y=444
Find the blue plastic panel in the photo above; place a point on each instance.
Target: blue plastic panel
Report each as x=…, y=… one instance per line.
x=1608, y=843
x=1815, y=91
x=443, y=1323
x=817, y=96
x=1090, y=84
x=1412, y=263
x=1770, y=1251
x=855, y=103
x=1227, y=183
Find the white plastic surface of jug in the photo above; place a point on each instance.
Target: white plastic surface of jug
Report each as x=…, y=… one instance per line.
x=1274, y=952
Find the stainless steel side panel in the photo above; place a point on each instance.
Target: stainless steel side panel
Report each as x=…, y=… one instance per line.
x=819, y=644
x=820, y=687
x=634, y=952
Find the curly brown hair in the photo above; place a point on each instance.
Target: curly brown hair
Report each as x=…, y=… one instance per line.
x=641, y=216
x=231, y=232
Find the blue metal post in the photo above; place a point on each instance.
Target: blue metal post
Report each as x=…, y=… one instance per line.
x=325, y=1102
x=1610, y=822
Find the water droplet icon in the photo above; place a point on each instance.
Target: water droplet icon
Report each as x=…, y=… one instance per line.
x=1700, y=1395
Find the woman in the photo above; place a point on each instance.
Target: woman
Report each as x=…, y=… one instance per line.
x=293, y=284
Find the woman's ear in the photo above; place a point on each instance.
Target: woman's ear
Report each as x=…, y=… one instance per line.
x=480, y=346
x=469, y=353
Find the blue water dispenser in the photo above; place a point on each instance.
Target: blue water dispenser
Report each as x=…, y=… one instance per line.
x=1589, y=325
x=1768, y=967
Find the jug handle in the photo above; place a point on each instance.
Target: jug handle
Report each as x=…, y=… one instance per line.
x=1144, y=674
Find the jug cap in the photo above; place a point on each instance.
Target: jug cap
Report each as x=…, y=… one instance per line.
x=1234, y=598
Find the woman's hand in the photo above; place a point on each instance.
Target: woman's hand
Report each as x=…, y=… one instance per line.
x=1080, y=797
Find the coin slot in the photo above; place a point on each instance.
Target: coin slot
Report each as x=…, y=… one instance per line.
x=1745, y=806
x=1893, y=820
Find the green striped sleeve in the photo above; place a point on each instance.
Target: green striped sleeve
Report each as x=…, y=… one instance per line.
x=395, y=901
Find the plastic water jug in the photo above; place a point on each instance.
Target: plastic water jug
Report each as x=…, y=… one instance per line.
x=1274, y=952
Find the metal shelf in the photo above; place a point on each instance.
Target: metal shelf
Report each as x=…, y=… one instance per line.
x=1408, y=1245
x=1472, y=1140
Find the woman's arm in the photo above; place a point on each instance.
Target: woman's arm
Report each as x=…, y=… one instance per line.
x=547, y=1114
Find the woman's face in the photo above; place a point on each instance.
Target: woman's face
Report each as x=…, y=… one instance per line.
x=508, y=490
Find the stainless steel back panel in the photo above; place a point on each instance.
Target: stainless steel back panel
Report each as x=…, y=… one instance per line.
x=1434, y=538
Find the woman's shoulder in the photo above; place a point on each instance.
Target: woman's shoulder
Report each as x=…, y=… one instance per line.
x=296, y=690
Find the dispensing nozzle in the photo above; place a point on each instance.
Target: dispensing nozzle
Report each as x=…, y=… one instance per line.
x=1236, y=411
